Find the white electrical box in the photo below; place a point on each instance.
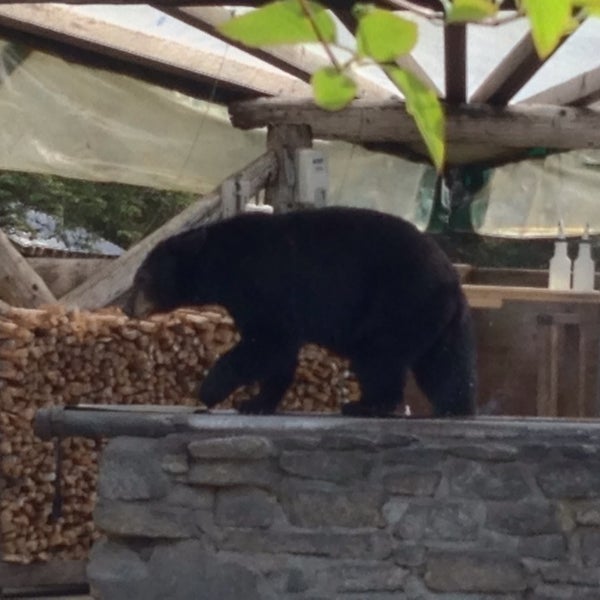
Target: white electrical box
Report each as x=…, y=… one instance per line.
x=312, y=179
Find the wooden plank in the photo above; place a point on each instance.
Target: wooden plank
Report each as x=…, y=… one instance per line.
x=296, y=60
x=19, y=283
x=494, y=296
x=517, y=68
x=113, y=281
x=363, y=121
x=66, y=25
x=455, y=63
x=581, y=90
x=432, y=5
x=61, y=275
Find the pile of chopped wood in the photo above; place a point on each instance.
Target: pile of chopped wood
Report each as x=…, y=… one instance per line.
x=57, y=357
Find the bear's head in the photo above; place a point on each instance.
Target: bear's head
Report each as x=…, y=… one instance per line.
x=165, y=279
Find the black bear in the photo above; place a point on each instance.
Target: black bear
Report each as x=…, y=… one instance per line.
x=367, y=285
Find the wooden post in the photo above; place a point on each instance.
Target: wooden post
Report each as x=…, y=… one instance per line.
x=19, y=283
x=284, y=139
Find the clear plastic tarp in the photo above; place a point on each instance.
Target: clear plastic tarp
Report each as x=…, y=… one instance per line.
x=66, y=119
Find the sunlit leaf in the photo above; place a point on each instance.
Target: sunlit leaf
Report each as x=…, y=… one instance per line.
x=332, y=90
x=384, y=36
x=550, y=20
x=282, y=22
x=591, y=7
x=425, y=108
x=470, y=10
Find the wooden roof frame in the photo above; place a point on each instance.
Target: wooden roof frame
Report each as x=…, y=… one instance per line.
x=169, y=64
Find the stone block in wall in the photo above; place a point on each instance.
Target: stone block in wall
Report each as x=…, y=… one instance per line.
x=409, y=481
x=312, y=504
x=242, y=447
x=493, y=452
x=490, y=572
x=441, y=521
x=531, y=517
x=569, y=573
x=222, y=473
x=365, y=578
x=339, y=466
x=587, y=512
x=133, y=470
x=590, y=546
x=543, y=547
x=144, y=519
x=372, y=545
x=488, y=480
x=563, y=592
x=245, y=507
x=185, y=570
x=570, y=479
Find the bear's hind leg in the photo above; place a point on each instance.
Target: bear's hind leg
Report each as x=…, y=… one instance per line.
x=382, y=378
x=447, y=371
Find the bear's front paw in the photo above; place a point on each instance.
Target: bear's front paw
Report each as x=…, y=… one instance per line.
x=362, y=409
x=255, y=406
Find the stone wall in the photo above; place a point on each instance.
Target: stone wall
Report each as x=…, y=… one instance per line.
x=326, y=507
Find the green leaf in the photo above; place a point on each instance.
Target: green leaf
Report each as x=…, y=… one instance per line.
x=384, y=36
x=425, y=108
x=282, y=22
x=591, y=7
x=460, y=11
x=550, y=20
x=333, y=90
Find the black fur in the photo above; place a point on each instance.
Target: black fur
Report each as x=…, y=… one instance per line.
x=367, y=285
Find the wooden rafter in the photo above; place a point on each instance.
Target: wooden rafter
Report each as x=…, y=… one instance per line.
x=333, y=4
x=471, y=131
x=581, y=90
x=295, y=60
x=63, y=25
x=20, y=285
x=455, y=63
x=517, y=68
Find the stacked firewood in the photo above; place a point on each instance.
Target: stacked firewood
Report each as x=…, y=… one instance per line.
x=54, y=356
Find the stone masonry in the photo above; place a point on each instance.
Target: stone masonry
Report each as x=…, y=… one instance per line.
x=299, y=508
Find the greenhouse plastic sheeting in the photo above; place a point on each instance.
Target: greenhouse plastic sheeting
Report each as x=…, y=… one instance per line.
x=65, y=119
x=530, y=197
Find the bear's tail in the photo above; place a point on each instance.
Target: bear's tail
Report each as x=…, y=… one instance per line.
x=446, y=372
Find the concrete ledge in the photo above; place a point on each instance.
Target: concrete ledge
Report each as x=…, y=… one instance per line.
x=160, y=421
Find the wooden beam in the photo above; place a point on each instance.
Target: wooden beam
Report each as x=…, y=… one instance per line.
x=581, y=90
x=20, y=285
x=112, y=282
x=519, y=126
x=435, y=5
x=61, y=275
x=297, y=61
x=455, y=63
x=517, y=68
x=67, y=26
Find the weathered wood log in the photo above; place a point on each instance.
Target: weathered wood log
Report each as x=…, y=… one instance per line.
x=467, y=126
x=19, y=283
